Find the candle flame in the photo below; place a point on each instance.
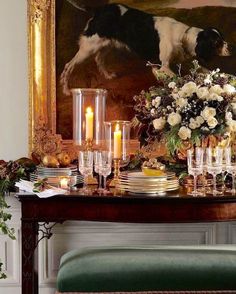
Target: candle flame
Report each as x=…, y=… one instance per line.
x=117, y=128
x=89, y=110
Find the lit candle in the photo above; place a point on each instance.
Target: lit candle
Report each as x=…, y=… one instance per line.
x=117, y=142
x=64, y=183
x=89, y=124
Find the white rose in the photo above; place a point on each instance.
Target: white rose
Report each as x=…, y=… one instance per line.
x=189, y=88
x=233, y=105
x=171, y=85
x=153, y=111
x=199, y=120
x=202, y=93
x=174, y=119
x=216, y=89
x=181, y=102
x=175, y=96
x=159, y=123
x=232, y=125
x=228, y=116
x=214, y=96
x=184, y=133
x=193, y=125
x=208, y=112
x=182, y=94
x=228, y=89
x=156, y=102
x=212, y=122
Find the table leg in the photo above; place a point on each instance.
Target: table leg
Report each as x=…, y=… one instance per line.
x=29, y=271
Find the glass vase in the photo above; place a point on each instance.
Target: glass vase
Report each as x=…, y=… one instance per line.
x=117, y=141
x=89, y=107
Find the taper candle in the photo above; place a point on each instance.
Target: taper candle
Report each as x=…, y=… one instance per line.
x=89, y=124
x=117, y=142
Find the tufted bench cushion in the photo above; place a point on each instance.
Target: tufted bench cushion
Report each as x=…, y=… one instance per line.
x=149, y=269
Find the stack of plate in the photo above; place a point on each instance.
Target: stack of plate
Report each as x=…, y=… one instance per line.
x=53, y=174
x=138, y=183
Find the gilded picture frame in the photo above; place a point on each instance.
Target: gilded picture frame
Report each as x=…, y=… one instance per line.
x=43, y=137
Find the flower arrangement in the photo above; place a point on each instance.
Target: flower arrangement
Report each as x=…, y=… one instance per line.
x=187, y=108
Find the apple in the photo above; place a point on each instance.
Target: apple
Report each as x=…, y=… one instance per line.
x=64, y=159
x=50, y=161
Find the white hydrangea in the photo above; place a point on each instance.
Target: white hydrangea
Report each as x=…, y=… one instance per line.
x=156, y=102
x=212, y=122
x=202, y=93
x=159, y=123
x=208, y=112
x=174, y=118
x=184, y=133
x=228, y=116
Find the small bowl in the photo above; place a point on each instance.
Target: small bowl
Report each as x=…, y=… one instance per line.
x=153, y=172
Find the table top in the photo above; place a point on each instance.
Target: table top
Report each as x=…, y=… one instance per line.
x=174, y=207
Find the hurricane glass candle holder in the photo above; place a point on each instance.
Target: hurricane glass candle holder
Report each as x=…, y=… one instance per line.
x=117, y=141
x=89, y=107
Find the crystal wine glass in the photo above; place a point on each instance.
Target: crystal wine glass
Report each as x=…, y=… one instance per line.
x=195, y=166
x=86, y=167
x=105, y=167
x=230, y=166
x=97, y=158
x=214, y=162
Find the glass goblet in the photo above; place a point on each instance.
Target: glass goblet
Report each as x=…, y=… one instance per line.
x=105, y=167
x=214, y=163
x=97, y=158
x=230, y=166
x=195, y=167
x=86, y=167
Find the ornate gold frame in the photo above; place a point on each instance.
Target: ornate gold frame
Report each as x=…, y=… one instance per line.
x=42, y=81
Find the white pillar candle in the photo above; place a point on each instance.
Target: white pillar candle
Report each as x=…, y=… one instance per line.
x=89, y=124
x=117, y=142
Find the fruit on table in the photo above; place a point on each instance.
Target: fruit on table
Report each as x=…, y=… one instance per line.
x=152, y=172
x=153, y=168
x=50, y=161
x=64, y=159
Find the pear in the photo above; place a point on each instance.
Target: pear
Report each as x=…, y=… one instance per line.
x=50, y=161
x=64, y=159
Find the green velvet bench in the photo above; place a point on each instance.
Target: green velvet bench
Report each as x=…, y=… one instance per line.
x=160, y=269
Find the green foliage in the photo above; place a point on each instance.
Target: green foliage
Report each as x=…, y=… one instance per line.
x=173, y=140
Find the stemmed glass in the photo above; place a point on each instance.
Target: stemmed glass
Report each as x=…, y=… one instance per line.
x=97, y=158
x=86, y=167
x=195, y=166
x=230, y=166
x=105, y=167
x=214, y=164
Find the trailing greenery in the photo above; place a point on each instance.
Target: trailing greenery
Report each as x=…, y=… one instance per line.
x=10, y=173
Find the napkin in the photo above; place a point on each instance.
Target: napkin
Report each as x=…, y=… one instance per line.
x=28, y=186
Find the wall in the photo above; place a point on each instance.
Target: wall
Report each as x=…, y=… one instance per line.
x=13, y=79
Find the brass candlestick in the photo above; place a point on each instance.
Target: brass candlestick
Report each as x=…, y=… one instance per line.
x=117, y=162
x=89, y=144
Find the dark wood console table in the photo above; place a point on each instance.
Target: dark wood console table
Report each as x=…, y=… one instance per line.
x=129, y=209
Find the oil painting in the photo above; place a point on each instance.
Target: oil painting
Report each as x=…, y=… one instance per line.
x=123, y=71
